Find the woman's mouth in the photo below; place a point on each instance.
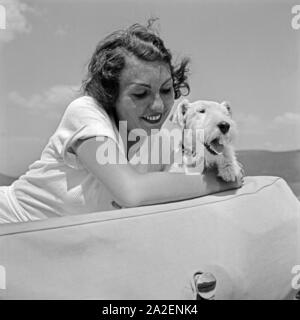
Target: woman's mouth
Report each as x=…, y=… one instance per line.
x=153, y=119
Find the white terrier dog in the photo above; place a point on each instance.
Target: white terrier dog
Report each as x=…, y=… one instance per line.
x=208, y=135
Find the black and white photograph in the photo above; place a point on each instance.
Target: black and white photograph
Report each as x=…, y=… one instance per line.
x=149, y=150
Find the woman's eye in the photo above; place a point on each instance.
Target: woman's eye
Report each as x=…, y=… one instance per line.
x=166, y=91
x=201, y=111
x=140, y=95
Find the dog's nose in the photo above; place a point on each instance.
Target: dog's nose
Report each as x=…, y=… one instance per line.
x=224, y=127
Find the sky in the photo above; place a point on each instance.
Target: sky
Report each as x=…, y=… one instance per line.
x=242, y=51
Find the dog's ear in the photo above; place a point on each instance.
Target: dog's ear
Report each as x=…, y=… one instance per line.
x=178, y=115
x=228, y=106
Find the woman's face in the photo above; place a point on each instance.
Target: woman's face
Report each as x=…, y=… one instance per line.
x=146, y=94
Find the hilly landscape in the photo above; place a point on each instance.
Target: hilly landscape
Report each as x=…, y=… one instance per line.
x=269, y=163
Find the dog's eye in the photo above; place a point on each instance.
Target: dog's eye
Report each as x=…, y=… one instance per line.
x=201, y=111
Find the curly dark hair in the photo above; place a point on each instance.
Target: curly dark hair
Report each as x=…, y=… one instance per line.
x=108, y=60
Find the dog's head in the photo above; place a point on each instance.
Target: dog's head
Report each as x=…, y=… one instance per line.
x=212, y=118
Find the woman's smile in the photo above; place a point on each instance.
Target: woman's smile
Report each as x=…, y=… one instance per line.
x=153, y=118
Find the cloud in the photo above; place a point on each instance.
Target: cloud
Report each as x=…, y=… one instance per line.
x=51, y=102
x=36, y=117
x=288, y=118
x=62, y=31
x=16, y=21
x=281, y=132
x=18, y=153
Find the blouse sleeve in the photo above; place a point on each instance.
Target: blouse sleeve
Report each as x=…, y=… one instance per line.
x=83, y=119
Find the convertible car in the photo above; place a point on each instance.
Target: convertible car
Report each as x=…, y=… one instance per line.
x=245, y=243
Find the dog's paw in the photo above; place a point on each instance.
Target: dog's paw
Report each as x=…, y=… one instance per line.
x=227, y=173
x=231, y=172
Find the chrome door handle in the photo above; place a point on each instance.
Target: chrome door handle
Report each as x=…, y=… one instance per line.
x=205, y=285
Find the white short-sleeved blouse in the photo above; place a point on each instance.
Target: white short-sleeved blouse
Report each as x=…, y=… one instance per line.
x=57, y=184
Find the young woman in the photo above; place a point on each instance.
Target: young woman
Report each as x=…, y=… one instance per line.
x=131, y=78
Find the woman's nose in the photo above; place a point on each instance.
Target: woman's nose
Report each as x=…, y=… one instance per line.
x=157, y=104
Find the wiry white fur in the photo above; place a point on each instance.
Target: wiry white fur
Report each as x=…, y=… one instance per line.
x=189, y=116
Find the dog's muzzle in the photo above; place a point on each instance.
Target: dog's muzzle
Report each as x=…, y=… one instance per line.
x=215, y=147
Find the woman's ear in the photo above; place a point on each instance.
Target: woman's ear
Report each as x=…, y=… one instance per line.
x=179, y=113
x=228, y=106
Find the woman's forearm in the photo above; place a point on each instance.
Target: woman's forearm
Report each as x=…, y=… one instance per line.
x=131, y=187
x=161, y=187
